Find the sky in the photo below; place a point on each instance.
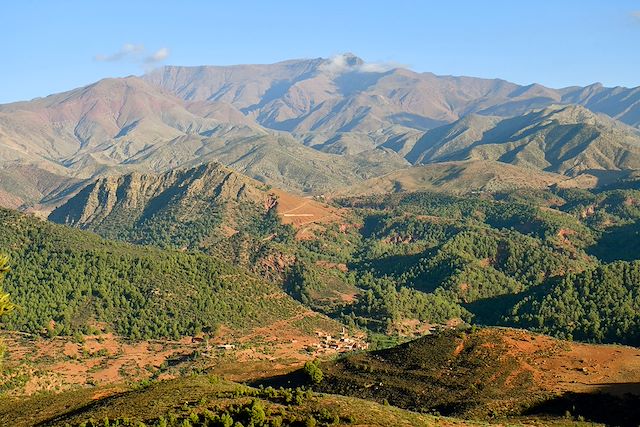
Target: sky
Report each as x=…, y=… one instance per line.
x=53, y=46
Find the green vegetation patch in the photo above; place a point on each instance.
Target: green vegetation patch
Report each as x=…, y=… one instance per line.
x=65, y=280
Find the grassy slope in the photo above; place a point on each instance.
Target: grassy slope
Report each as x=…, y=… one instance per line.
x=450, y=372
x=197, y=395
x=494, y=372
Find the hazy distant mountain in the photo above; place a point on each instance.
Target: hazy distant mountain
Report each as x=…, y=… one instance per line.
x=618, y=102
x=25, y=186
x=305, y=125
x=342, y=94
x=119, y=125
x=104, y=123
x=345, y=94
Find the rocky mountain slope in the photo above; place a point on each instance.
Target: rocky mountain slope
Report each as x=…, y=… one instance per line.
x=135, y=196
x=569, y=140
x=310, y=126
x=346, y=94
x=194, y=207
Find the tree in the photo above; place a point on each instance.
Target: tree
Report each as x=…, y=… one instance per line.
x=257, y=415
x=5, y=303
x=313, y=371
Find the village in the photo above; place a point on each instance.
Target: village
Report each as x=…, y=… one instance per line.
x=344, y=343
x=324, y=344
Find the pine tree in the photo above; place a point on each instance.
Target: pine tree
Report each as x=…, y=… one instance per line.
x=5, y=303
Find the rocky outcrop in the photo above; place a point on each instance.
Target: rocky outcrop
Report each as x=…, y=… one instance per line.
x=135, y=195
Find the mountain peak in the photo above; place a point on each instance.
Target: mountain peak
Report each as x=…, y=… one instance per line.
x=351, y=59
x=571, y=114
x=342, y=63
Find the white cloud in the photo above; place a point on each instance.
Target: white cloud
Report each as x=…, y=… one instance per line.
x=127, y=50
x=380, y=67
x=636, y=15
x=157, y=56
x=347, y=62
x=336, y=64
x=137, y=54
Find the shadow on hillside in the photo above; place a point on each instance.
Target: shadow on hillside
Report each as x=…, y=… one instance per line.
x=290, y=380
x=612, y=404
x=618, y=244
x=491, y=311
x=610, y=179
x=388, y=265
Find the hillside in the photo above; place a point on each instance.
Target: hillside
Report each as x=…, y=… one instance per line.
x=569, y=140
x=464, y=177
x=205, y=400
x=491, y=373
x=504, y=261
x=24, y=186
x=127, y=203
x=209, y=207
x=69, y=281
x=593, y=305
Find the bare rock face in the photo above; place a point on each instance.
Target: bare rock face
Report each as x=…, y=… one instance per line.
x=136, y=195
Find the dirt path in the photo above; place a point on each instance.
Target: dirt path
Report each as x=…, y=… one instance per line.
x=299, y=211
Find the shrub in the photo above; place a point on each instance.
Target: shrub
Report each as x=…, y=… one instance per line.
x=313, y=372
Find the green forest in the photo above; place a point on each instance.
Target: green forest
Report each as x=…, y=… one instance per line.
x=556, y=261
x=65, y=281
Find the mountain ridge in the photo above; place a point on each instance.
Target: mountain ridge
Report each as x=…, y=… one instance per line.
x=563, y=139
x=309, y=126
x=315, y=81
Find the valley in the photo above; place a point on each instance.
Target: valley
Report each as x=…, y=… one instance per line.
x=384, y=269
x=320, y=242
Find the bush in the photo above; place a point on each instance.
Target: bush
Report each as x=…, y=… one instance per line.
x=313, y=372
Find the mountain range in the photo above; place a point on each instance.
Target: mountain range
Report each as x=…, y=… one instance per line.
x=345, y=94
x=310, y=126
x=255, y=222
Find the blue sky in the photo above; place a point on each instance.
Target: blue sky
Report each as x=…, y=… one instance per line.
x=51, y=46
